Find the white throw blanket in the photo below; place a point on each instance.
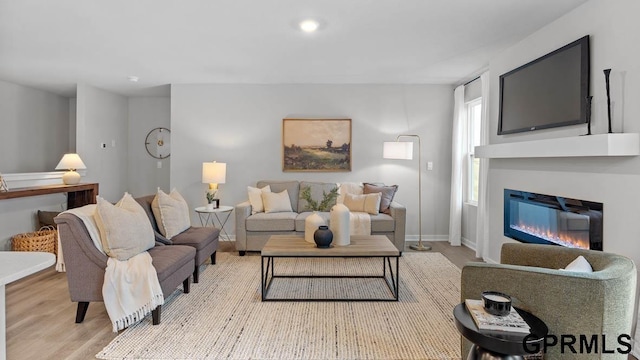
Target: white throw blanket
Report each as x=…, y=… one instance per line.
x=131, y=289
x=84, y=213
x=360, y=223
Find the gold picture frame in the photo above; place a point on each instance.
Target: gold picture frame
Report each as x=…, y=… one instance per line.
x=322, y=145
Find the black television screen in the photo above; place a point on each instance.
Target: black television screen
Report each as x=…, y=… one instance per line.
x=548, y=92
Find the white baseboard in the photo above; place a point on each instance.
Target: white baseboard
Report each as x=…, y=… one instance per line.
x=468, y=243
x=427, y=238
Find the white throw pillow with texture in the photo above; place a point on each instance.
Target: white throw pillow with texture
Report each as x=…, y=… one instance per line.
x=369, y=203
x=171, y=212
x=580, y=264
x=255, y=198
x=348, y=188
x=125, y=230
x=276, y=202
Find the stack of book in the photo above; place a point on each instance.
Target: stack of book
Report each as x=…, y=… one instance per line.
x=512, y=322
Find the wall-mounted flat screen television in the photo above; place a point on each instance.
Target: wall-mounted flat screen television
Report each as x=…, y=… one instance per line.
x=548, y=92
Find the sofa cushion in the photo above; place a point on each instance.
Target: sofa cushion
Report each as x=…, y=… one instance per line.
x=388, y=192
x=382, y=223
x=168, y=259
x=292, y=187
x=197, y=237
x=276, y=202
x=303, y=216
x=124, y=228
x=171, y=212
x=282, y=221
x=320, y=194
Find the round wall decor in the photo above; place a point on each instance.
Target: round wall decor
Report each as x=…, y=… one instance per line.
x=158, y=143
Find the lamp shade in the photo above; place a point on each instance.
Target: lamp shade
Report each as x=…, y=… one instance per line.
x=70, y=162
x=214, y=172
x=401, y=150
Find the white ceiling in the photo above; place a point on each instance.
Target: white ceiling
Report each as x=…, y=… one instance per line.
x=53, y=45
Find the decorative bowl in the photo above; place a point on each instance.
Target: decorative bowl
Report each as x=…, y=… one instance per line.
x=496, y=303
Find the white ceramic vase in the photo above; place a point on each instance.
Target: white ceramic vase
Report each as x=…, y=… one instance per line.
x=311, y=224
x=340, y=225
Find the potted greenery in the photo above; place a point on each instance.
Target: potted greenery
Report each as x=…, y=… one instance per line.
x=211, y=200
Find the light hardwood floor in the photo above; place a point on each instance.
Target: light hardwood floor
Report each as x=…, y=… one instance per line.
x=40, y=316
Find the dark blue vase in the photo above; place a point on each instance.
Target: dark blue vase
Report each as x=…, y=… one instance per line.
x=323, y=237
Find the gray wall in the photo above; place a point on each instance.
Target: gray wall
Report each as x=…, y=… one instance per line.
x=609, y=180
x=242, y=126
x=146, y=113
x=102, y=117
x=34, y=129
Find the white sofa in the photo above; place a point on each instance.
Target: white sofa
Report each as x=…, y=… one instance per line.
x=253, y=230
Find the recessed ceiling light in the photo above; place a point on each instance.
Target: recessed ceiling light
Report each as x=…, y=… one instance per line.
x=133, y=78
x=309, y=25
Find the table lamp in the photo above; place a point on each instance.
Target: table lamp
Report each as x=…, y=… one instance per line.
x=71, y=162
x=213, y=173
x=403, y=150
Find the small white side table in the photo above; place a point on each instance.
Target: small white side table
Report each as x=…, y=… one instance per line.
x=15, y=265
x=221, y=215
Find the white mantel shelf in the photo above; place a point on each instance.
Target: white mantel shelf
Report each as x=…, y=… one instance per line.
x=575, y=146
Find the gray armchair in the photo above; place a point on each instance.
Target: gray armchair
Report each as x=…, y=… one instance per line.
x=573, y=303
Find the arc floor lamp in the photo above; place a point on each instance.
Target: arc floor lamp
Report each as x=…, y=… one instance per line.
x=403, y=150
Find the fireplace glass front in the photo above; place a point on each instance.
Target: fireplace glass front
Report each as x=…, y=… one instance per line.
x=548, y=219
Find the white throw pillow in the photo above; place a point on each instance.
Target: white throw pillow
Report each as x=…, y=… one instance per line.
x=580, y=264
x=276, y=202
x=171, y=213
x=369, y=203
x=125, y=230
x=348, y=188
x=255, y=198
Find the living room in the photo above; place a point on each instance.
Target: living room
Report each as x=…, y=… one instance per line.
x=240, y=123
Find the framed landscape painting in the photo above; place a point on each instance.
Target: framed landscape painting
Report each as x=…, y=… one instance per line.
x=316, y=145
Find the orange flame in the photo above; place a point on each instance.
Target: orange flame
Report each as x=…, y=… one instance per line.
x=574, y=240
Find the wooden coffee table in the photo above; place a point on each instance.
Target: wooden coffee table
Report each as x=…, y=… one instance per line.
x=370, y=246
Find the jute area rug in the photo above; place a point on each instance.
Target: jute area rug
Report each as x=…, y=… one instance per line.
x=223, y=317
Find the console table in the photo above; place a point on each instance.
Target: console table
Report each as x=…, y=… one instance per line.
x=78, y=195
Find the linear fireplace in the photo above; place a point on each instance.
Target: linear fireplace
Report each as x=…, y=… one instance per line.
x=548, y=219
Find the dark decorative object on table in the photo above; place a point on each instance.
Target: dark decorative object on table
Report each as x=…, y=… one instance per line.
x=589, y=98
x=323, y=237
x=496, y=303
x=607, y=72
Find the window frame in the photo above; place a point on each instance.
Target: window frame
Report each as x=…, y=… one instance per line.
x=472, y=133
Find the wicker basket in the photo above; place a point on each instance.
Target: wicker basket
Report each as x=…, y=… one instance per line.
x=45, y=239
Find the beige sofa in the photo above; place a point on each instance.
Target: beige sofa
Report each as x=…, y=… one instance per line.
x=253, y=231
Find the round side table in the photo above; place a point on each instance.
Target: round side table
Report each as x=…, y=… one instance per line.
x=220, y=215
x=499, y=344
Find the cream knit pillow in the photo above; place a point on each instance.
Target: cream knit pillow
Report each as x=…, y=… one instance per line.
x=276, y=202
x=369, y=203
x=255, y=198
x=171, y=213
x=125, y=230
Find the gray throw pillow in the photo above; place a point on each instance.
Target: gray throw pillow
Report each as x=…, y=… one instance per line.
x=388, y=192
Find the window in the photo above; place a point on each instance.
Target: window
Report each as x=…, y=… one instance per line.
x=474, y=117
